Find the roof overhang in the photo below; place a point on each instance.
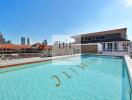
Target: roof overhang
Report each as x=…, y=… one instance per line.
x=121, y=30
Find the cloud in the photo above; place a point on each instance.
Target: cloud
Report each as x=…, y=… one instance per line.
x=128, y=3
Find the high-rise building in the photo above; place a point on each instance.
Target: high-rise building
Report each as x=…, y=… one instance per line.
x=1, y=38
x=28, y=41
x=22, y=40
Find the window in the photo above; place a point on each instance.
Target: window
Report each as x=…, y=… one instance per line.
x=85, y=39
x=114, y=36
x=115, y=46
x=93, y=38
x=89, y=38
x=103, y=46
x=100, y=37
x=125, y=46
x=109, y=46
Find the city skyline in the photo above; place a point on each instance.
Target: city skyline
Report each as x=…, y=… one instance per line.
x=23, y=40
x=3, y=40
x=41, y=19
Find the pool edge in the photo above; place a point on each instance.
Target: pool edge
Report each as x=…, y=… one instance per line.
x=129, y=67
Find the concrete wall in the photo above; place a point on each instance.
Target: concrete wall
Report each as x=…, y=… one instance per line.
x=89, y=49
x=76, y=49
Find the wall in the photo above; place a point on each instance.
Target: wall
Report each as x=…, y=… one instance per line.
x=89, y=49
x=76, y=49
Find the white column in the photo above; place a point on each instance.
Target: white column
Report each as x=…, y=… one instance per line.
x=120, y=46
x=113, y=47
x=106, y=46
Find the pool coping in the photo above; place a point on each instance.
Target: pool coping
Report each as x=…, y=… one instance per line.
x=5, y=65
x=128, y=61
x=39, y=59
x=18, y=64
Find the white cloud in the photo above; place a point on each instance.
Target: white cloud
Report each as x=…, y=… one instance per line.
x=128, y=3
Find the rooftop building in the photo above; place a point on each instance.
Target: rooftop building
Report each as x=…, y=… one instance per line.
x=111, y=40
x=103, y=36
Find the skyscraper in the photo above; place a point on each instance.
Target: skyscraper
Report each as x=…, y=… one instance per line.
x=22, y=40
x=1, y=38
x=28, y=41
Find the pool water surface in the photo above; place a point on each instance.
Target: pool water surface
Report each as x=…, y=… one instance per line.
x=93, y=78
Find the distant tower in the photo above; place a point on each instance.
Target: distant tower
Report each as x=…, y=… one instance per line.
x=44, y=42
x=28, y=41
x=1, y=38
x=4, y=41
x=22, y=40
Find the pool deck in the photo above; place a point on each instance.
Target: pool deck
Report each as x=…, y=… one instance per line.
x=23, y=61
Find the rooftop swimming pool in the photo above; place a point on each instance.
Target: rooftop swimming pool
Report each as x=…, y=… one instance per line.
x=88, y=78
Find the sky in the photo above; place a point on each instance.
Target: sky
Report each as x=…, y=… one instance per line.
x=41, y=19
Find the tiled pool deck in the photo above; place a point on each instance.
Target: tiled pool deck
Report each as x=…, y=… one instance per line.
x=22, y=61
x=15, y=62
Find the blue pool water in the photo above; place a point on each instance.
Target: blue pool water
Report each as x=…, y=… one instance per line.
x=95, y=78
